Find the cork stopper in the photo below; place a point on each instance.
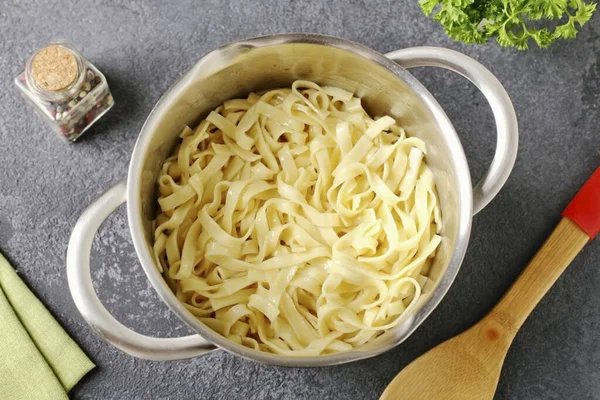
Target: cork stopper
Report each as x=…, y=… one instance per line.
x=54, y=68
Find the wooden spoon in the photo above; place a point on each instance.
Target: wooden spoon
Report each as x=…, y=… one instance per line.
x=468, y=365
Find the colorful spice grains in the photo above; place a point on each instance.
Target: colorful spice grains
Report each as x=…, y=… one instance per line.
x=68, y=91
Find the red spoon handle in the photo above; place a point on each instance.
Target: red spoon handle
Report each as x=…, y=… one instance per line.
x=584, y=209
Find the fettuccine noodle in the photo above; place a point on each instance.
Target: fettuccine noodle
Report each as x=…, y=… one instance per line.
x=292, y=222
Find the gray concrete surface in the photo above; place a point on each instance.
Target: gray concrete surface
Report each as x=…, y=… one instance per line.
x=143, y=47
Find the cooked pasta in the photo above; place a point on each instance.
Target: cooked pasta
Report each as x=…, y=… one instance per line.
x=292, y=222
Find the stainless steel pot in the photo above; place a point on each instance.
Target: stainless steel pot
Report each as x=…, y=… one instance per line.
x=276, y=61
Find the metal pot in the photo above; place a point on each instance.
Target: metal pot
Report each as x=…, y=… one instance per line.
x=276, y=61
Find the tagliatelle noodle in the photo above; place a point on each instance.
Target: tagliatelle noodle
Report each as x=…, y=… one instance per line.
x=294, y=223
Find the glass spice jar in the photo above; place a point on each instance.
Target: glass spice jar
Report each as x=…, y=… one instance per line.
x=65, y=89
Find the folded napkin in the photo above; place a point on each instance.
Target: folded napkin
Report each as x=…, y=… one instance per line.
x=38, y=359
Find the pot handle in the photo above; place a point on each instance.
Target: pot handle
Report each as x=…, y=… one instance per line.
x=90, y=307
x=504, y=113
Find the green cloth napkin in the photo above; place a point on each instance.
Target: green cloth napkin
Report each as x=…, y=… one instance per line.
x=38, y=359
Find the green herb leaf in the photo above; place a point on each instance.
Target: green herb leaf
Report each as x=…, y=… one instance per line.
x=511, y=22
x=427, y=6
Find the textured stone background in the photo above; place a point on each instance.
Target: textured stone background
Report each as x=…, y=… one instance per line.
x=143, y=47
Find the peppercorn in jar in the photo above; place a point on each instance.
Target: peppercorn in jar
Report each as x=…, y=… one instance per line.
x=65, y=89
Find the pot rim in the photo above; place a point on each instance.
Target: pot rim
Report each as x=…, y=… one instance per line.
x=134, y=181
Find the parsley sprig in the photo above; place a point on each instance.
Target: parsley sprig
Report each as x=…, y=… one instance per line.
x=511, y=22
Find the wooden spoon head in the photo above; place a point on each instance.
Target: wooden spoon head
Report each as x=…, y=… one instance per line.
x=465, y=367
